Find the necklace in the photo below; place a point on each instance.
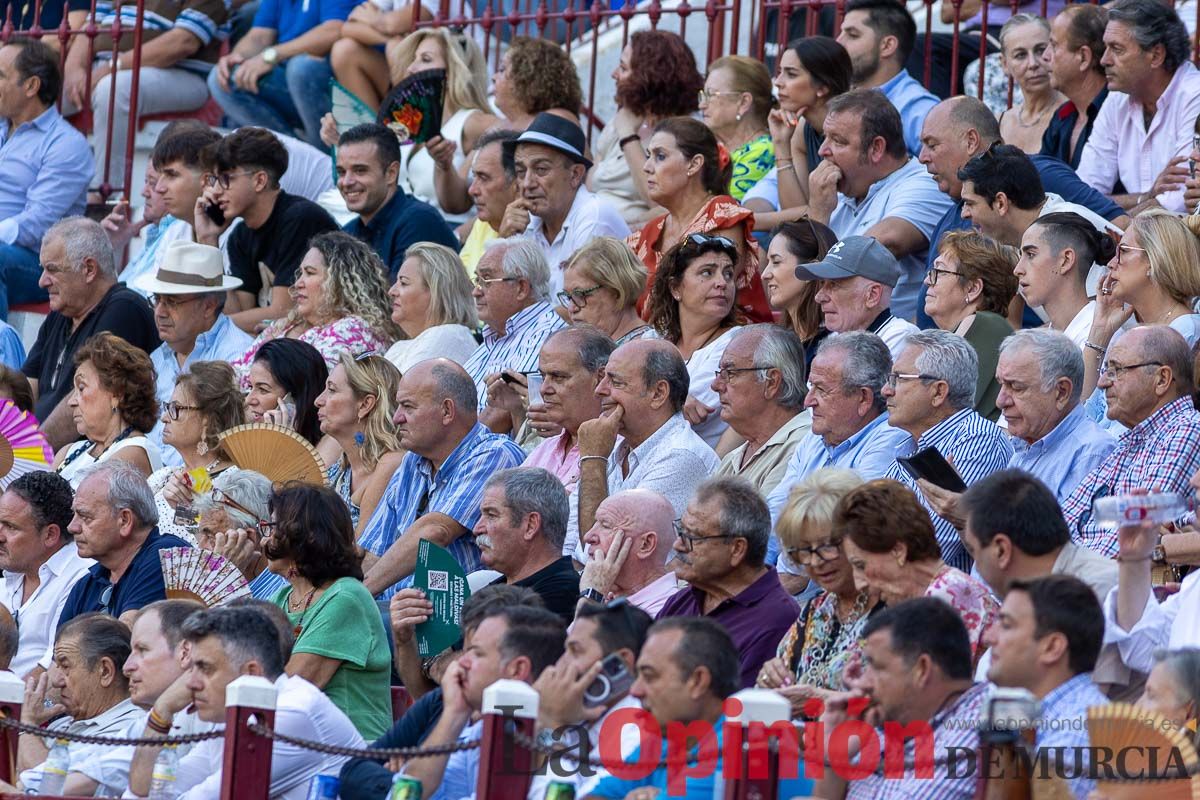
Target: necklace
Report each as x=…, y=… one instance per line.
x=1036, y=120
x=302, y=609
x=86, y=445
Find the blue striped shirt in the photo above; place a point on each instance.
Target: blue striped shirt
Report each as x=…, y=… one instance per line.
x=977, y=448
x=1064, y=724
x=1062, y=458
x=517, y=348
x=455, y=490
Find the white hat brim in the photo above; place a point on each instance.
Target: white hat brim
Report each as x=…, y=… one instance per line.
x=152, y=285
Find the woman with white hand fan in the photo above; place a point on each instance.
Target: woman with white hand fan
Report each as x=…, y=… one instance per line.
x=341, y=645
x=355, y=412
x=205, y=402
x=232, y=518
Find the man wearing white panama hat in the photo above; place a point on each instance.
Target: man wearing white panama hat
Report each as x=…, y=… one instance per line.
x=188, y=291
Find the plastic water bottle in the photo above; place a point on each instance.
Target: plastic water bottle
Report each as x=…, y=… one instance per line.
x=166, y=768
x=54, y=771
x=1124, y=510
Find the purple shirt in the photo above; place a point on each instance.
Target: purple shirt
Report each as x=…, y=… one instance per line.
x=756, y=619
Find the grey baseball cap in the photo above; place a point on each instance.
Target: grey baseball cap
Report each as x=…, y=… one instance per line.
x=855, y=255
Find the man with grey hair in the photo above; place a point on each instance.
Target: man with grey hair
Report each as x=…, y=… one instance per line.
x=1147, y=380
x=512, y=297
x=554, y=208
x=760, y=381
x=641, y=438
x=1143, y=133
x=720, y=551
x=116, y=523
x=520, y=532
x=931, y=396
x=571, y=364
x=849, y=424
x=436, y=491
x=79, y=274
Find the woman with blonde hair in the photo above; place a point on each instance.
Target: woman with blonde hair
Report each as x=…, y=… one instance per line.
x=815, y=652
x=360, y=441
x=1023, y=40
x=601, y=284
x=735, y=101
x=1152, y=279
x=968, y=291
x=431, y=302
x=340, y=303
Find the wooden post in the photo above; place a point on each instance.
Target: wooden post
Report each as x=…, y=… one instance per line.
x=756, y=775
x=505, y=769
x=12, y=694
x=246, y=769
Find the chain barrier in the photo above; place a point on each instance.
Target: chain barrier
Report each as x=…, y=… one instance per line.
x=376, y=753
x=113, y=741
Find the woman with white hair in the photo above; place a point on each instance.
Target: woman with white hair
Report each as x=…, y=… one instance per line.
x=432, y=305
x=233, y=517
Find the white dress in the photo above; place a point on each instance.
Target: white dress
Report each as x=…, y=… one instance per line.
x=74, y=470
x=166, y=512
x=416, y=177
x=454, y=342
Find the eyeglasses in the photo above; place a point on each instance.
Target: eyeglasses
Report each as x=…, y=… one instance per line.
x=689, y=540
x=577, y=297
x=173, y=301
x=225, y=178
x=1113, y=371
x=267, y=529
x=705, y=96
x=895, y=377
x=1124, y=248
x=220, y=497
x=174, y=408
x=481, y=283
x=725, y=373
x=931, y=277
x=106, y=599
x=824, y=552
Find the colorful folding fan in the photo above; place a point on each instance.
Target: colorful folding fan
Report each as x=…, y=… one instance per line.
x=23, y=447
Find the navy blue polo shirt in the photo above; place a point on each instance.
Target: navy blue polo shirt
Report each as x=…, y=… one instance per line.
x=403, y=221
x=141, y=585
x=1056, y=141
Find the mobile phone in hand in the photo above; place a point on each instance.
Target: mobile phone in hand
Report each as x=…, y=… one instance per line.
x=214, y=212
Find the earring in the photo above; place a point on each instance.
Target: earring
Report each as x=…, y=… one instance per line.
x=739, y=117
x=900, y=561
x=202, y=447
x=359, y=439
x=292, y=572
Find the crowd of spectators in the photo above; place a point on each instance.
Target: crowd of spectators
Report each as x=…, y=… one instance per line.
x=806, y=381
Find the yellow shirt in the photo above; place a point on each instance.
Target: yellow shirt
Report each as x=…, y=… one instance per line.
x=472, y=249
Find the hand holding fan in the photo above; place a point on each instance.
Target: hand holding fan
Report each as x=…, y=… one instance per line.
x=272, y=450
x=202, y=575
x=413, y=108
x=23, y=447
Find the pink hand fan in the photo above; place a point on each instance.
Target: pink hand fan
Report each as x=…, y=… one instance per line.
x=23, y=447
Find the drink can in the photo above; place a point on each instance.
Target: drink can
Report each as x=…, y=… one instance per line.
x=323, y=787
x=406, y=788
x=560, y=790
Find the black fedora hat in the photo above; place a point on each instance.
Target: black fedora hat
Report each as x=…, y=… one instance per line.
x=553, y=131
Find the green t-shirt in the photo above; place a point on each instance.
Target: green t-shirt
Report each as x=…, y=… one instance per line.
x=344, y=624
x=751, y=162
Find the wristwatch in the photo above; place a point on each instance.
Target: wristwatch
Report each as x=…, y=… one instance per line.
x=270, y=55
x=593, y=595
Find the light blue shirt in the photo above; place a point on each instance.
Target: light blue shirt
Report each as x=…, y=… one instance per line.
x=154, y=242
x=47, y=166
x=1064, y=724
x=914, y=102
x=224, y=341
x=909, y=194
x=1062, y=457
x=12, y=351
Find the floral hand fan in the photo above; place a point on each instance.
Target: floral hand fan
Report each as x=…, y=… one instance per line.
x=202, y=575
x=23, y=447
x=413, y=108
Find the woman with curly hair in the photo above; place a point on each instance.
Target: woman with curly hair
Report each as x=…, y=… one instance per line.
x=205, y=402
x=692, y=307
x=536, y=75
x=655, y=79
x=341, y=303
x=341, y=646
x=687, y=173
x=114, y=407
x=360, y=441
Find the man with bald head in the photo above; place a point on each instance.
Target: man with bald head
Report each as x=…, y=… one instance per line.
x=436, y=492
x=1147, y=380
x=961, y=128
x=627, y=551
x=641, y=439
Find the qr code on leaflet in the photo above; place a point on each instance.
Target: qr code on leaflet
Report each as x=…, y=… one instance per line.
x=438, y=581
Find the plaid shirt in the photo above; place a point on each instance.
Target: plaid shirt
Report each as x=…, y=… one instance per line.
x=955, y=731
x=977, y=448
x=1160, y=453
x=455, y=491
x=1064, y=724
